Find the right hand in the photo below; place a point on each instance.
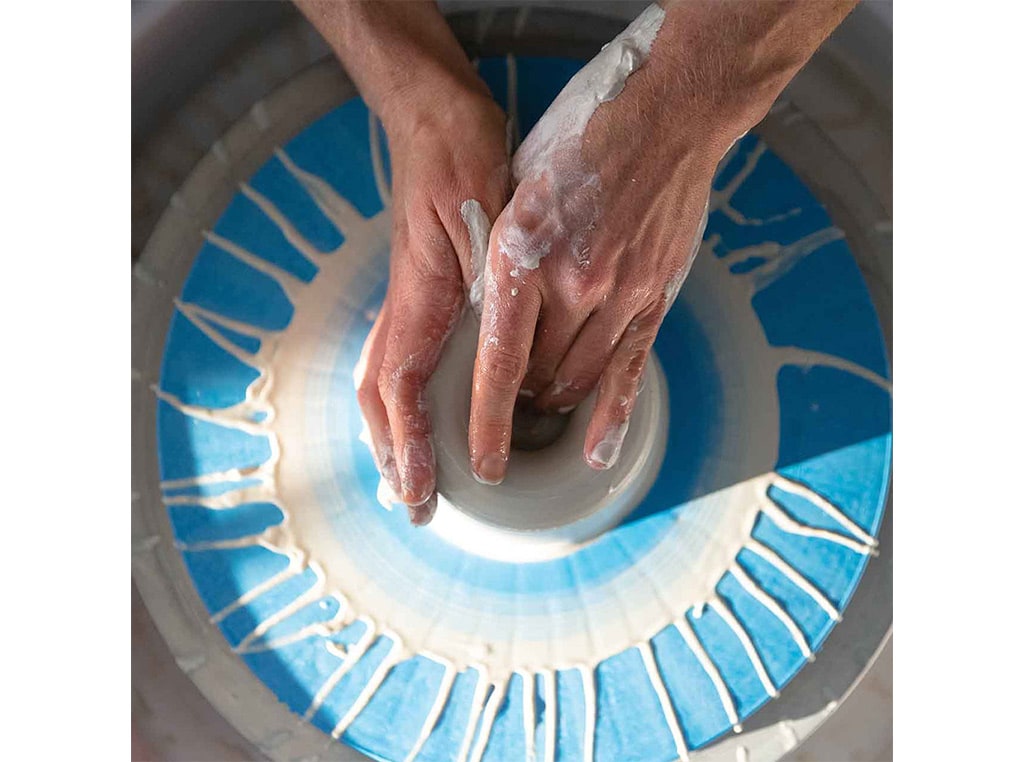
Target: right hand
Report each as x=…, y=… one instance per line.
x=444, y=151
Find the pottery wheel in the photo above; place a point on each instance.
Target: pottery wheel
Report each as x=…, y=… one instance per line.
x=639, y=615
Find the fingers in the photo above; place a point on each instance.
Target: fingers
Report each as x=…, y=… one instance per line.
x=617, y=393
x=510, y=314
x=584, y=362
x=554, y=336
x=421, y=514
x=424, y=312
x=375, y=415
x=469, y=228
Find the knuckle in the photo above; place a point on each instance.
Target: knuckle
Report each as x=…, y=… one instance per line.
x=401, y=386
x=526, y=223
x=416, y=423
x=587, y=279
x=587, y=285
x=502, y=368
x=438, y=279
x=531, y=204
x=367, y=393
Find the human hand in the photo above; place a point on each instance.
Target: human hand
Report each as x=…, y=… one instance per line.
x=610, y=205
x=447, y=139
x=616, y=243
x=442, y=155
x=586, y=316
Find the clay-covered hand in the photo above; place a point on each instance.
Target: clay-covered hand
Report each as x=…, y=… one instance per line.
x=582, y=266
x=441, y=158
x=612, y=189
x=447, y=139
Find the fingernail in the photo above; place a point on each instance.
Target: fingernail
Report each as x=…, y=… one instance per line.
x=605, y=455
x=417, y=471
x=606, y=452
x=388, y=469
x=420, y=515
x=491, y=469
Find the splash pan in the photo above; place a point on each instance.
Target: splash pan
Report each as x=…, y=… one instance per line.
x=646, y=637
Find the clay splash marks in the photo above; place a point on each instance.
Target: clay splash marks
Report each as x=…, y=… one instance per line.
x=258, y=414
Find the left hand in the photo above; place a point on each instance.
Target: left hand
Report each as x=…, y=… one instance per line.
x=442, y=156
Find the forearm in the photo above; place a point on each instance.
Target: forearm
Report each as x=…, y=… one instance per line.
x=723, y=63
x=400, y=53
